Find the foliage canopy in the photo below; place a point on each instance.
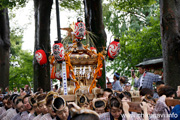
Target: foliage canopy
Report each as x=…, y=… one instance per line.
x=137, y=24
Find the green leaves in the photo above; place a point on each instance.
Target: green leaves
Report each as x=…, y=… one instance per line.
x=12, y=3
x=21, y=62
x=71, y=4
x=138, y=25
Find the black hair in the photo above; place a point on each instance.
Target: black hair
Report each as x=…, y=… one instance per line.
x=145, y=91
x=149, y=98
x=166, y=90
x=99, y=104
x=58, y=102
x=116, y=76
x=40, y=97
x=85, y=116
x=22, y=89
x=39, y=88
x=12, y=96
x=49, y=99
x=108, y=90
x=114, y=103
x=32, y=101
x=82, y=99
x=18, y=101
x=56, y=86
x=142, y=66
x=6, y=97
x=27, y=95
x=125, y=94
x=159, y=83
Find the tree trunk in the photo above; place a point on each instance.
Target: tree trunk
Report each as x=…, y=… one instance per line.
x=170, y=27
x=94, y=23
x=4, y=48
x=42, y=10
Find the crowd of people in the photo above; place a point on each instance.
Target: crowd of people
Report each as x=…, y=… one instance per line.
x=113, y=104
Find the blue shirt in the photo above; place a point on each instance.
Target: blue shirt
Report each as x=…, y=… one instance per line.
x=175, y=113
x=116, y=86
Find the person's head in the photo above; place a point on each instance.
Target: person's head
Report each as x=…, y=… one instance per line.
x=125, y=96
x=115, y=105
x=13, y=96
x=60, y=108
x=26, y=87
x=123, y=79
x=150, y=103
x=49, y=99
x=146, y=91
x=40, y=90
x=168, y=91
x=7, y=89
x=84, y=102
x=99, y=106
x=19, y=105
x=15, y=89
x=14, y=100
x=159, y=84
x=56, y=86
x=127, y=87
x=107, y=92
x=141, y=69
x=5, y=100
x=116, y=76
x=33, y=103
x=41, y=103
x=21, y=89
x=85, y=116
x=27, y=106
x=8, y=104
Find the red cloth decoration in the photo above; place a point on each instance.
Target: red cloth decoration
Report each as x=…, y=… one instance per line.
x=41, y=57
x=113, y=49
x=93, y=49
x=58, y=51
x=80, y=30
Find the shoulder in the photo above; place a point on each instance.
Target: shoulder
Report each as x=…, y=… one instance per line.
x=105, y=116
x=37, y=117
x=46, y=117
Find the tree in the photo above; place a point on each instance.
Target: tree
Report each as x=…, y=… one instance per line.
x=42, y=10
x=94, y=23
x=170, y=41
x=4, y=48
x=21, y=66
x=137, y=25
x=5, y=39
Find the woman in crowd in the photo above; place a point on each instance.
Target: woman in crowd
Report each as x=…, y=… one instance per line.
x=84, y=102
x=125, y=96
x=51, y=115
x=41, y=104
x=161, y=107
x=116, y=109
x=99, y=105
x=61, y=109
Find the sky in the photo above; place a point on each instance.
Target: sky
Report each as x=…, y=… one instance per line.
x=25, y=19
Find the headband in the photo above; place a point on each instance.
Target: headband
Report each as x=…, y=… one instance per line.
x=86, y=101
x=115, y=74
x=94, y=101
x=55, y=97
x=114, y=96
x=148, y=100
